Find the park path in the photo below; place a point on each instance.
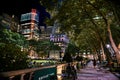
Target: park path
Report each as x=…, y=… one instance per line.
x=91, y=73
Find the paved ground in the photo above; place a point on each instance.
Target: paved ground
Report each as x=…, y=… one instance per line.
x=91, y=73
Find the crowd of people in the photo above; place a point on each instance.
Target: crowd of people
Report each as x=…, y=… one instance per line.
x=71, y=71
x=72, y=68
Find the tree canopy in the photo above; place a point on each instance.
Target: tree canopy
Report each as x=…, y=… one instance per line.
x=12, y=58
x=89, y=23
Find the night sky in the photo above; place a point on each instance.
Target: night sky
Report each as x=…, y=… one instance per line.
x=18, y=7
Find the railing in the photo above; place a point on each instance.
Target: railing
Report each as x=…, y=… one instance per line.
x=28, y=74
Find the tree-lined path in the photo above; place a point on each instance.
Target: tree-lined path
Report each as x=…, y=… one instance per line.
x=91, y=73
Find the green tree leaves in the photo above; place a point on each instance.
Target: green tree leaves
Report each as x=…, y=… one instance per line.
x=43, y=46
x=12, y=58
x=7, y=36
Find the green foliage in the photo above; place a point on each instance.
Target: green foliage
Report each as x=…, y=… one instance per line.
x=83, y=12
x=115, y=29
x=72, y=49
x=89, y=14
x=12, y=58
x=85, y=15
x=7, y=36
x=49, y=4
x=43, y=46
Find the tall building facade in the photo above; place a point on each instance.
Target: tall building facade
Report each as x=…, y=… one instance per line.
x=29, y=24
x=60, y=39
x=9, y=22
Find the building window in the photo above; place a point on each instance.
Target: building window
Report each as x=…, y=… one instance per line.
x=25, y=31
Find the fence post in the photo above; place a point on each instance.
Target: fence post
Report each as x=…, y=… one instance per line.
x=31, y=75
x=22, y=77
x=10, y=78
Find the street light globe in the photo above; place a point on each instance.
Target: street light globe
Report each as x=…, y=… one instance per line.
x=107, y=45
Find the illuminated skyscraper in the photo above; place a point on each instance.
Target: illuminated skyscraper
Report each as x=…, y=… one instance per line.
x=29, y=24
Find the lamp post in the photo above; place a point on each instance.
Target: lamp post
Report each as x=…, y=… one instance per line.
x=111, y=51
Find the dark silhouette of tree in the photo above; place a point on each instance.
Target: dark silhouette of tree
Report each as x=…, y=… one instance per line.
x=67, y=57
x=79, y=58
x=12, y=58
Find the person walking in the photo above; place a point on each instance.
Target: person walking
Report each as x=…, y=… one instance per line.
x=78, y=66
x=94, y=63
x=74, y=71
x=69, y=70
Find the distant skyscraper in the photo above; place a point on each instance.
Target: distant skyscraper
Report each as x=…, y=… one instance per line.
x=29, y=24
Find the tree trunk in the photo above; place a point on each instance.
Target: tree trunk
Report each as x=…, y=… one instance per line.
x=103, y=56
x=117, y=54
